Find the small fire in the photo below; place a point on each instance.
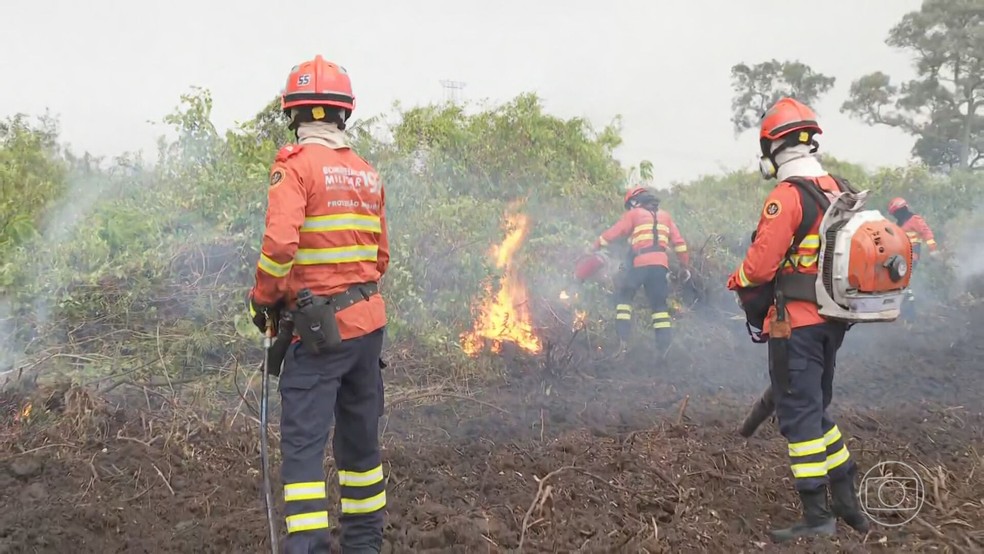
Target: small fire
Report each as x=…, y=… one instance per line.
x=505, y=315
x=23, y=414
x=580, y=318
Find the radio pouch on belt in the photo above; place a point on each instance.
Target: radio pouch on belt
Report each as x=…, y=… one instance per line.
x=315, y=323
x=779, y=333
x=314, y=318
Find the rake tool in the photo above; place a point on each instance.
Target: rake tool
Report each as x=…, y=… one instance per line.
x=264, y=454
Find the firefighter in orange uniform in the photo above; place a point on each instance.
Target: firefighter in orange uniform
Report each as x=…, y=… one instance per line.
x=818, y=455
x=326, y=233
x=650, y=232
x=919, y=233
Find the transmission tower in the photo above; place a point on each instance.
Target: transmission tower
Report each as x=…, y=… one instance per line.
x=451, y=89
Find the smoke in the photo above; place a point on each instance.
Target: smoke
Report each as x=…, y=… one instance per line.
x=8, y=352
x=965, y=249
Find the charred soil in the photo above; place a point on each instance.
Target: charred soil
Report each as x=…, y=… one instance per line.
x=597, y=459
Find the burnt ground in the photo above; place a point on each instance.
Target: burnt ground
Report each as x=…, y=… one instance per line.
x=576, y=457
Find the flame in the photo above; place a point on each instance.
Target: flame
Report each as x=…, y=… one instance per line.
x=24, y=413
x=580, y=318
x=505, y=315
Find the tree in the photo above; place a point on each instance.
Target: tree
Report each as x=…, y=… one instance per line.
x=759, y=86
x=942, y=107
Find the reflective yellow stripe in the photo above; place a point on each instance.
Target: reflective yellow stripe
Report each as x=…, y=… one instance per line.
x=662, y=228
x=624, y=307
x=371, y=504
x=643, y=227
x=342, y=222
x=661, y=315
x=931, y=242
x=806, y=448
x=806, y=253
x=838, y=458
x=680, y=248
x=623, y=316
x=812, y=469
x=742, y=279
x=307, y=522
x=360, y=478
x=832, y=436
x=271, y=267
x=304, y=491
x=663, y=325
x=642, y=237
x=810, y=241
x=338, y=255
x=802, y=261
x=913, y=237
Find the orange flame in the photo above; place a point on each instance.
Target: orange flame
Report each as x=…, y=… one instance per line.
x=504, y=316
x=23, y=414
x=580, y=318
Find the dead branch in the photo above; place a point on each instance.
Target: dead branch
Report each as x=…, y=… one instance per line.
x=683, y=409
x=543, y=489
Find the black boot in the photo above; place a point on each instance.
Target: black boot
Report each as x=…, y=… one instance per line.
x=663, y=340
x=817, y=520
x=845, y=503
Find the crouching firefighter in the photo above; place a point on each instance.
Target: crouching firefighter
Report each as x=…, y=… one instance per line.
x=324, y=250
x=650, y=231
x=919, y=233
x=808, y=224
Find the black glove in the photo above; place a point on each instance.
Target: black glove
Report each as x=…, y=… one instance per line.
x=260, y=312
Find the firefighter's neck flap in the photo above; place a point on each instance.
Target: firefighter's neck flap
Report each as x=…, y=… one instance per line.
x=323, y=133
x=797, y=161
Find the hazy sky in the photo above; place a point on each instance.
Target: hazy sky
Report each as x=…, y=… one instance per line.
x=107, y=67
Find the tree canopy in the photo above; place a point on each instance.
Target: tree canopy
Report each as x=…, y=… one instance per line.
x=759, y=86
x=942, y=106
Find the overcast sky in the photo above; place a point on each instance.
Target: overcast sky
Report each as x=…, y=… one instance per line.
x=106, y=67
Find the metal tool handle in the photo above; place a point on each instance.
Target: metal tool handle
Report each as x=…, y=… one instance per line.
x=264, y=454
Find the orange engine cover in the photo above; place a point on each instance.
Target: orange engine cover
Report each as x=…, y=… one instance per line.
x=873, y=245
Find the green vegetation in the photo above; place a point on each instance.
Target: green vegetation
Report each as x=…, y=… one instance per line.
x=112, y=267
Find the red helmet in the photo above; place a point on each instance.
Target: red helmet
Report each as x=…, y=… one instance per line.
x=642, y=197
x=787, y=116
x=784, y=117
x=318, y=82
x=633, y=192
x=897, y=204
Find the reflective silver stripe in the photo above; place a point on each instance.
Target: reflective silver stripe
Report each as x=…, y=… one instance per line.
x=371, y=504
x=267, y=265
x=304, y=491
x=307, y=522
x=339, y=255
x=360, y=478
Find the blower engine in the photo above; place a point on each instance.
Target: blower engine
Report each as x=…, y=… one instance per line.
x=864, y=262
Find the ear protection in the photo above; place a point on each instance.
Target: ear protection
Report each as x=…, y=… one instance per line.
x=768, y=167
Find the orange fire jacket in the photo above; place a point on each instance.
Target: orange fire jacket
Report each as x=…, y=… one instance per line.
x=326, y=231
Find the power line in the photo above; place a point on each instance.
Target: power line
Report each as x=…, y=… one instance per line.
x=451, y=89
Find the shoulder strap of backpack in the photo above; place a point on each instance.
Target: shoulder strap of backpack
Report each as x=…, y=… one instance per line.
x=813, y=202
x=844, y=185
